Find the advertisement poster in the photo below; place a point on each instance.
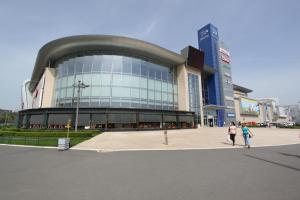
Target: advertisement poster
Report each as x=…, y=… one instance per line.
x=249, y=107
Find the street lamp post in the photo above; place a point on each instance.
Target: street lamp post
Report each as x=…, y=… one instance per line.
x=79, y=85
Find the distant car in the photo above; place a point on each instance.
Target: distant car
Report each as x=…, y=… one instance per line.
x=290, y=124
x=261, y=125
x=286, y=125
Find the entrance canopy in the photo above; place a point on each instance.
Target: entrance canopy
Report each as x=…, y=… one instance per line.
x=214, y=107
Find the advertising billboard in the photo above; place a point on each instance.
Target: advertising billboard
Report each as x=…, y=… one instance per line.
x=282, y=112
x=249, y=107
x=225, y=55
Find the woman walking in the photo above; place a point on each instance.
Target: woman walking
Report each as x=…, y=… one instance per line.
x=232, y=132
x=247, y=134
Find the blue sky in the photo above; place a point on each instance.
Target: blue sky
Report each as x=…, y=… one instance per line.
x=263, y=36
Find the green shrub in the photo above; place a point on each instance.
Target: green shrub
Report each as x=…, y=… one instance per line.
x=48, y=133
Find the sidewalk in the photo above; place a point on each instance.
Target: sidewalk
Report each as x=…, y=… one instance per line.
x=186, y=139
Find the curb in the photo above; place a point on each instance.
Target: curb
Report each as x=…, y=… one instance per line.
x=154, y=149
x=175, y=149
x=30, y=146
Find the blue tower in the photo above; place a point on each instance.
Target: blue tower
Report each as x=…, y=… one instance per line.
x=208, y=41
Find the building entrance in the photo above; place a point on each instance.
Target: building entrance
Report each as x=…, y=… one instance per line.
x=210, y=122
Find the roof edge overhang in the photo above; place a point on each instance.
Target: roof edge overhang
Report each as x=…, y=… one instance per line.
x=59, y=48
x=241, y=89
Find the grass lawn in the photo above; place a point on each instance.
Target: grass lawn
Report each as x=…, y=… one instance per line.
x=42, y=137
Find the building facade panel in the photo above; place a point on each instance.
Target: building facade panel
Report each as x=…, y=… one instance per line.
x=208, y=41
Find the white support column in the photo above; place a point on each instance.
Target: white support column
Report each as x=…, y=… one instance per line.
x=201, y=101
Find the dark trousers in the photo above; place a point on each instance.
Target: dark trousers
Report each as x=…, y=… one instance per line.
x=232, y=137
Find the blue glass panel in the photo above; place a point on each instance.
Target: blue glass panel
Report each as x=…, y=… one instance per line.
x=144, y=69
x=151, y=73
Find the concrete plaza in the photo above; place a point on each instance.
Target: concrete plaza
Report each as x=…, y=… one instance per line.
x=187, y=139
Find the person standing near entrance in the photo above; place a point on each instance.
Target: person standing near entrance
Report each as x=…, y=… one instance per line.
x=247, y=134
x=232, y=132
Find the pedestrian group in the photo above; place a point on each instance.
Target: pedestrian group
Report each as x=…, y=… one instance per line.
x=246, y=134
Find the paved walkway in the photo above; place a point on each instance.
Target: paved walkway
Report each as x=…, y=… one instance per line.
x=187, y=139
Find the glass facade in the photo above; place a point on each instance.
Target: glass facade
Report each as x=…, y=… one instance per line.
x=116, y=81
x=194, y=96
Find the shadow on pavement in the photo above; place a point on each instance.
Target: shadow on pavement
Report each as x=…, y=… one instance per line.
x=291, y=155
x=275, y=163
x=230, y=144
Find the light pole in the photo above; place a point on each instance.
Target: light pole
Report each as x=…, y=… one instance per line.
x=79, y=85
x=6, y=119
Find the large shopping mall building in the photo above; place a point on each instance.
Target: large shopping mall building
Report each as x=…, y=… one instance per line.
x=133, y=84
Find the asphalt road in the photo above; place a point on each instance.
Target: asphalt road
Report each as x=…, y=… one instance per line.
x=256, y=173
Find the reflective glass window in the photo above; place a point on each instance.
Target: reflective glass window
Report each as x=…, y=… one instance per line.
x=136, y=67
x=86, y=92
x=170, y=97
x=64, y=81
x=135, y=81
x=106, y=64
x=175, y=98
x=115, y=103
x=105, y=91
x=165, y=96
x=164, y=87
x=135, y=93
x=116, y=80
x=78, y=67
x=96, y=91
x=63, y=93
x=164, y=75
x=87, y=65
x=105, y=79
x=104, y=102
x=157, y=85
x=127, y=66
x=70, y=81
x=143, y=94
x=151, y=73
x=70, y=68
x=143, y=82
x=158, y=96
x=86, y=79
x=78, y=77
x=175, y=89
x=69, y=92
x=151, y=85
x=96, y=79
x=97, y=63
x=170, y=77
x=64, y=69
x=170, y=87
x=117, y=64
x=144, y=69
x=158, y=74
x=127, y=80
x=151, y=95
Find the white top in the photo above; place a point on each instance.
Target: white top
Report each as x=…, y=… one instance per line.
x=232, y=129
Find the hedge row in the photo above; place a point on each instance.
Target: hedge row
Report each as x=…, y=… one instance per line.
x=48, y=134
x=14, y=129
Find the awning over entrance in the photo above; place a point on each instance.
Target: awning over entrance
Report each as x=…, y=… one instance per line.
x=214, y=107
